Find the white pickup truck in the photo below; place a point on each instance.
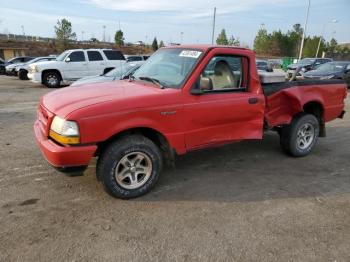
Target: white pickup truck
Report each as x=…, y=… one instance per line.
x=74, y=64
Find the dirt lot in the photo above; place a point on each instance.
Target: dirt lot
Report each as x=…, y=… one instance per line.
x=243, y=202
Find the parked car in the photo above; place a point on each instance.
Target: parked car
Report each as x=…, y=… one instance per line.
x=74, y=64
x=331, y=70
x=174, y=104
x=15, y=60
x=21, y=70
x=122, y=72
x=307, y=64
x=135, y=58
x=2, y=62
x=263, y=65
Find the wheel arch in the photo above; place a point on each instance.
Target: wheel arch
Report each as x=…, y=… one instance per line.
x=107, y=69
x=50, y=70
x=316, y=108
x=154, y=135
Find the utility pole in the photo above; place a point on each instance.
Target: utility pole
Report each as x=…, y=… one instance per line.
x=104, y=33
x=82, y=35
x=212, y=36
x=23, y=33
x=304, y=31
x=321, y=37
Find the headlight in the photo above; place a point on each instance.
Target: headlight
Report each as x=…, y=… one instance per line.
x=326, y=77
x=64, y=131
x=34, y=68
x=303, y=69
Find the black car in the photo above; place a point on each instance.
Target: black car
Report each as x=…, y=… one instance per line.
x=332, y=70
x=307, y=64
x=15, y=60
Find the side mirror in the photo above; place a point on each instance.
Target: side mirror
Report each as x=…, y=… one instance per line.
x=67, y=59
x=205, y=84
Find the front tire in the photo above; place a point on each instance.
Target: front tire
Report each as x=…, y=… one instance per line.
x=130, y=167
x=299, y=138
x=22, y=74
x=51, y=79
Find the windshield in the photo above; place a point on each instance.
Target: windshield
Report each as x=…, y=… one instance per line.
x=169, y=66
x=119, y=71
x=306, y=61
x=31, y=61
x=62, y=56
x=331, y=67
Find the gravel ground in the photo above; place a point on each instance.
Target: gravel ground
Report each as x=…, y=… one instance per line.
x=243, y=202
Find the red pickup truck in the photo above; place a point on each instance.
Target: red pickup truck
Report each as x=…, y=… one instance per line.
x=183, y=98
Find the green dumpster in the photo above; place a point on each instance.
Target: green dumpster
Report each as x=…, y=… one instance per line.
x=286, y=61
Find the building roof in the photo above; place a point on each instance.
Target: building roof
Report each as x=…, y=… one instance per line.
x=13, y=48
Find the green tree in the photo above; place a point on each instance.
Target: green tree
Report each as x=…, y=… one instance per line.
x=94, y=40
x=64, y=34
x=161, y=44
x=233, y=41
x=310, y=46
x=119, y=38
x=222, y=38
x=262, y=42
x=155, y=44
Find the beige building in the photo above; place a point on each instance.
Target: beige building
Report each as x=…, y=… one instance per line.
x=7, y=53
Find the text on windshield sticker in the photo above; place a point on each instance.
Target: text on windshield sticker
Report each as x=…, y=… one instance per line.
x=190, y=53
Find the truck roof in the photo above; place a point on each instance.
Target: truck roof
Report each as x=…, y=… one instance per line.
x=204, y=47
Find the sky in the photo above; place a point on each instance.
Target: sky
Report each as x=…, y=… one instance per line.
x=181, y=21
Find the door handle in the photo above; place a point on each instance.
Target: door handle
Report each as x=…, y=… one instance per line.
x=253, y=100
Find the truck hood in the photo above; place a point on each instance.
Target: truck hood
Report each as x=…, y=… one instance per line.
x=122, y=94
x=322, y=73
x=296, y=65
x=93, y=79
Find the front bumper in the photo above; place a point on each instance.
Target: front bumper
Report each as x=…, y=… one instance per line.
x=63, y=156
x=34, y=77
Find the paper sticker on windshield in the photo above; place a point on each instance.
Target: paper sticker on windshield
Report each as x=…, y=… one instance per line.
x=190, y=53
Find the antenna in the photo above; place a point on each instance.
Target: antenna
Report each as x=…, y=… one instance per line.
x=212, y=36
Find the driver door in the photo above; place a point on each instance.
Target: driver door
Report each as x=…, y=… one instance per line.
x=75, y=66
x=221, y=106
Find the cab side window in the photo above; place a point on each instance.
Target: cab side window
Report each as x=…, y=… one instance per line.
x=94, y=56
x=77, y=56
x=224, y=73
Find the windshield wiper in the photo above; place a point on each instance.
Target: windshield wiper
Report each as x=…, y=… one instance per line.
x=153, y=80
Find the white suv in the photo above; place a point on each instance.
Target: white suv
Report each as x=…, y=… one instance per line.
x=74, y=64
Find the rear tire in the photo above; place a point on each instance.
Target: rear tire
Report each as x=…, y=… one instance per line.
x=51, y=79
x=299, y=138
x=22, y=74
x=129, y=167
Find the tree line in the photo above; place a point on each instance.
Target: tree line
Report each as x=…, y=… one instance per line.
x=277, y=43
x=287, y=44
x=65, y=35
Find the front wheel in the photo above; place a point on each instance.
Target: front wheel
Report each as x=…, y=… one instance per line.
x=299, y=138
x=130, y=167
x=22, y=74
x=51, y=79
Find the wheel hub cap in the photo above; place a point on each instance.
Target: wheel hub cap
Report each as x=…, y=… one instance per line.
x=305, y=136
x=133, y=170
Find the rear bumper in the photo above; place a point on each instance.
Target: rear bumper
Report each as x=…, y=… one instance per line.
x=63, y=157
